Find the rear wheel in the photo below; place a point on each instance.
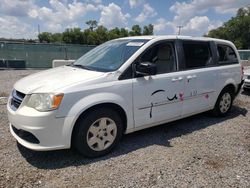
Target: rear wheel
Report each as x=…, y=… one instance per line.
x=223, y=103
x=97, y=132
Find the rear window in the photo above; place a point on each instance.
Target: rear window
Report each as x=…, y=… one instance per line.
x=226, y=55
x=197, y=54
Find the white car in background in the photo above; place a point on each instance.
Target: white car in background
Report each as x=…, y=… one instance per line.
x=122, y=86
x=246, y=79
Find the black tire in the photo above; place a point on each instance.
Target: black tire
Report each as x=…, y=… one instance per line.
x=83, y=124
x=217, y=111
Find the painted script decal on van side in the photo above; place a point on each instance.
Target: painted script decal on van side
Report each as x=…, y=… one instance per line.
x=176, y=98
x=168, y=98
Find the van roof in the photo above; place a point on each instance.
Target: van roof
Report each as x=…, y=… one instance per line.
x=149, y=37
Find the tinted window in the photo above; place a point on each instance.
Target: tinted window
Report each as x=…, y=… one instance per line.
x=162, y=55
x=226, y=54
x=197, y=54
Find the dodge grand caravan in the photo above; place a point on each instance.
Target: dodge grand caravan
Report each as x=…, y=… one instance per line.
x=122, y=86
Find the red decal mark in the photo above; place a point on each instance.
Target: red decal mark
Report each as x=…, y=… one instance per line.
x=206, y=96
x=181, y=94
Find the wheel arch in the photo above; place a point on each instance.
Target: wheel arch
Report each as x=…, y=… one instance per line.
x=230, y=85
x=111, y=105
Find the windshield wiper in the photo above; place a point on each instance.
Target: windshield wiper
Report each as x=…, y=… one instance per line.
x=81, y=66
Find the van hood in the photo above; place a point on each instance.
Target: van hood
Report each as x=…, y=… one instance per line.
x=53, y=79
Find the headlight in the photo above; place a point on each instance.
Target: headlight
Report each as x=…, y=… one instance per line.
x=44, y=101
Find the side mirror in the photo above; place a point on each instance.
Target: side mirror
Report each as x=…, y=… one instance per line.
x=145, y=69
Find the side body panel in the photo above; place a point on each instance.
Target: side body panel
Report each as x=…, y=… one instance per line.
x=157, y=98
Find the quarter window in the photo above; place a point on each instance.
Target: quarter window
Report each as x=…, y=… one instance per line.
x=226, y=55
x=197, y=54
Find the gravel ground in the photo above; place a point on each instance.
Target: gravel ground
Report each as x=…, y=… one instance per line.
x=200, y=151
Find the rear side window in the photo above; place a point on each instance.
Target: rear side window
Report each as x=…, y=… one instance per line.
x=197, y=54
x=226, y=55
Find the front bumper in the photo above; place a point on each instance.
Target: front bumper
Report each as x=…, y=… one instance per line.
x=47, y=131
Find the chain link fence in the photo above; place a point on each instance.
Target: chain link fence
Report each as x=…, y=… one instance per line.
x=37, y=55
x=244, y=54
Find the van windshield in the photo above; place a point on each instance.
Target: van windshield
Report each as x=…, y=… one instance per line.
x=110, y=55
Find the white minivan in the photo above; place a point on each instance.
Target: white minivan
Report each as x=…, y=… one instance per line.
x=122, y=86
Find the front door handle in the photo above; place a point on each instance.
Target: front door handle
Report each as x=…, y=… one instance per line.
x=177, y=79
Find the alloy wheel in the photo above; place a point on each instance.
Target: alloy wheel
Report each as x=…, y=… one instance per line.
x=101, y=134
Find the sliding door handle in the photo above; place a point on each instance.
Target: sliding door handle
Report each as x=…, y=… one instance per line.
x=177, y=79
x=191, y=77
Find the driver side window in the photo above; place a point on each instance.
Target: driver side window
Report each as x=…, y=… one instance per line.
x=162, y=55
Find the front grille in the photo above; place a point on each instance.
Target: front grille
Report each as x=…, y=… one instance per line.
x=27, y=136
x=16, y=99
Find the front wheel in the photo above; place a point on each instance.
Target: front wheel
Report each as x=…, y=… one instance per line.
x=97, y=132
x=223, y=103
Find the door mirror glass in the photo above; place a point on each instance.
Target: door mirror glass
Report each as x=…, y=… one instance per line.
x=145, y=69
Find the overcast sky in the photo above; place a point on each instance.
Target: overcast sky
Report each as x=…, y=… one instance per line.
x=20, y=18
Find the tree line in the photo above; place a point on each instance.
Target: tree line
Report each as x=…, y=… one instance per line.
x=94, y=35
x=237, y=29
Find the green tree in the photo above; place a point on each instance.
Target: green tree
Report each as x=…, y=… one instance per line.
x=92, y=38
x=56, y=37
x=102, y=33
x=73, y=36
x=123, y=32
x=92, y=24
x=237, y=29
x=94, y=35
x=76, y=36
x=136, y=30
x=45, y=37
x=148, y=29
x=66, y=36
x=114, y=33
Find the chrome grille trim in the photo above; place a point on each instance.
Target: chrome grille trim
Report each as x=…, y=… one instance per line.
x=16, y=99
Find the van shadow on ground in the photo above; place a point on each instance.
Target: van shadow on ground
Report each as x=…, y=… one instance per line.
x=160, y=135
x=246, y=92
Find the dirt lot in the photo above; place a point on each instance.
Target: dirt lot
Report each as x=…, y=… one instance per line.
x=200, y=151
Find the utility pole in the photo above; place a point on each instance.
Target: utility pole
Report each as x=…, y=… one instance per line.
x=38, y=29
x=179, y=29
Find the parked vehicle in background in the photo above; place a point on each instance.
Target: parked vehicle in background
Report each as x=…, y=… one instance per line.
x=246, y=79
x=244, y=54
x=122, y=86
